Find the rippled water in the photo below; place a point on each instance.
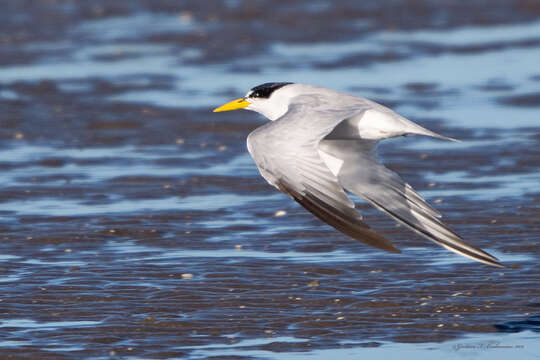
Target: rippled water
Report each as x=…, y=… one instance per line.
x=135, y=225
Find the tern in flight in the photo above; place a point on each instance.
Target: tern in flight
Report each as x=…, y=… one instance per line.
x=322, y=142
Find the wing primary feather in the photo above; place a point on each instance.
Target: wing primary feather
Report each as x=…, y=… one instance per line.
x=347, y=224
x=472, y=253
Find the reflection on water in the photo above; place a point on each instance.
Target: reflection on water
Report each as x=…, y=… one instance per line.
x=133, y=27
x=31, y=325
x=66, y=207
x=479, y=347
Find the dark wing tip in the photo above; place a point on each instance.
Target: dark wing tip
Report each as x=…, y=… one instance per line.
x=480, y=255
x=496, y=264
x=348, y=224
x=458, y=246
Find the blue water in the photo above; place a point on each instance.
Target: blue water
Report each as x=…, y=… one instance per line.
x=523, y=345
x=135, y=225
x=512, y=64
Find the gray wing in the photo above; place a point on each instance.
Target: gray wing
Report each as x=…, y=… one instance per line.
x=362, y=174
x=285, y=151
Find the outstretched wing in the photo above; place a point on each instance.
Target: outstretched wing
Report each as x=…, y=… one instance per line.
x=286, y=154
x=361, y=173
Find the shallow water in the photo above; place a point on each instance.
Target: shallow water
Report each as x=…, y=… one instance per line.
x=135, y=225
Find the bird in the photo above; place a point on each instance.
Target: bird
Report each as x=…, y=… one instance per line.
x=321, y=144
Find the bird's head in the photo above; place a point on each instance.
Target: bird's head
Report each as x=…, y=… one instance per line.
x=269, y=99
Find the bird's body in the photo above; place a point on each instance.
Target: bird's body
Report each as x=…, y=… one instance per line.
x=321, y=143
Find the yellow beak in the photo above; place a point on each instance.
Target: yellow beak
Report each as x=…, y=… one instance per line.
x=233, y=105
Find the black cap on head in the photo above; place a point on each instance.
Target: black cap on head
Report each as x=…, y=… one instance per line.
x=266, y=89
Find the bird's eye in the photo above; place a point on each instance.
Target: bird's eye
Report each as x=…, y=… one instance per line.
x=255, y=94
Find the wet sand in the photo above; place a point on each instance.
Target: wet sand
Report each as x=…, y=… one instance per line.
x=134, y=224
